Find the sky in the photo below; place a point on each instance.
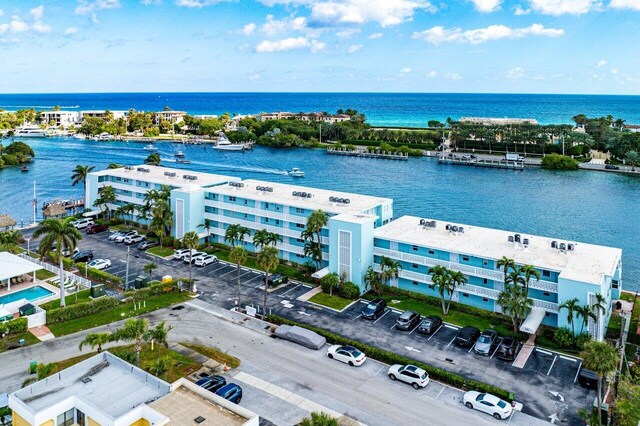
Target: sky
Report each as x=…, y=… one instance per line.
x=474, y=46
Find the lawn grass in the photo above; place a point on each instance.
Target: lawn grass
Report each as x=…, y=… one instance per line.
x=82, y=296
x=13, y=339
x=214, y=353
x=334, y=302
x=161, y=251
x=120, y=312
x=43, y=274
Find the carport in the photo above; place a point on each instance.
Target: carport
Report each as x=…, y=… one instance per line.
x=533, y=320
x=321, y=273
x=12, y=266
x=91, y=213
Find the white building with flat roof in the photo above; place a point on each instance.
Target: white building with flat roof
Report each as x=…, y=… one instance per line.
x=101, y=113
x=173, y=117
x=492, y=121
x=60, y=118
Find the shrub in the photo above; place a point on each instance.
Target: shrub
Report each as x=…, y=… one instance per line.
x=67, y=264
x=152, y=290
x=564, y=337
x=349, y=290
x=559, y=162
x=98, y=275
x=15, y=326
x=330, y=283
x=10, y=160
x=80, y=310
x=581, y=340
x=392, y=358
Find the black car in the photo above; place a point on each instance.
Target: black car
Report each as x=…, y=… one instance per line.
x=407, y=320
x=147, y=244
x=587, y=378
x=508, y=349
x=374, y=309
x=467, y=336
x=212, y=383
x=83, y=256
x=429, y=325
x=277, y=279
x=611, y=167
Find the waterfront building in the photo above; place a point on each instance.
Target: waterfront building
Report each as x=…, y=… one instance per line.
x=102, y=114
x=105, y=390
x=490, y=121
x=60, y=118
x=304, y=116
x=173, y=117
x=361, y=229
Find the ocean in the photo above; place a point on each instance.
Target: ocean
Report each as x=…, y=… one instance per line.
x=381, y=109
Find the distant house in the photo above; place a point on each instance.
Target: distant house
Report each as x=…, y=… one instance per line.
x=102, y=114
x=490, y=121
x=173, y=117
x=60, y=118
x=633, y=128
x=305, y=116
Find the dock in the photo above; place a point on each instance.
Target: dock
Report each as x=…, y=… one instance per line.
x=61, y=208
x=482, y=162
x=368, y=154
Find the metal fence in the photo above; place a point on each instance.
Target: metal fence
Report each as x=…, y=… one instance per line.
x=54, y=269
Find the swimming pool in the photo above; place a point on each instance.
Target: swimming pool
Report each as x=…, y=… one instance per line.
x=31, y=294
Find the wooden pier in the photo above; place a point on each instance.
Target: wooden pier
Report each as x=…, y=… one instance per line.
x=481, y=162
x=61, y=208
x=368, y=154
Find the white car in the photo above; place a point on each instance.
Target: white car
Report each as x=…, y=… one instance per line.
x=120, y=238
x=488, y=403
x=195, y=255
x=99, y=264
x=82, y=223
x=115, y=235
x=347, y=354
x=415, y=376
x=205, y=260
x=134, y=239
x=179, y=254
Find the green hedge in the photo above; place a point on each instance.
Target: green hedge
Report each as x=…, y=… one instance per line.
x=153, y=290
x=390, y=358
x=67, y=263
x=81, y=310
x=15, y=326
x=98, y=275
x=559, y=162
x=428, y=146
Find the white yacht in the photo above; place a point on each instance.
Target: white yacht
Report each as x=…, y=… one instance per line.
x=296, y=172
x=150, y=147
x=30, y=132
x=104, y=137
x=224, y=144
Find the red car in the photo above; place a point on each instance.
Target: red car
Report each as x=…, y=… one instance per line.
x=96, y=228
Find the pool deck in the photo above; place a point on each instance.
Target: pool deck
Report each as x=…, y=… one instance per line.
x=28, y=284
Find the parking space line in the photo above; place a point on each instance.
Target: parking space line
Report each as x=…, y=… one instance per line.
x=554, y=361
x=366, y=302
x=380, y=317
x=434, y=333
x=392, y=327
x=439, y=393
x=225, y=274
x=568, y=358
x=358, y=317
x=290, y=290
x=543, y=351
x=496, y=350
x=396, y=311
x=414, y=328
x=454, y=338
x=381, y=368
x=452, y=327
x=575, y=379
x=471, y=348
x=246, y=273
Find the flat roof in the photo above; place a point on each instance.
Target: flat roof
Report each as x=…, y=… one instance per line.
x=587, y=263
x=156, y=174
x=182, y=406
x=13, y=266
x=104, y=381
x=283, y=194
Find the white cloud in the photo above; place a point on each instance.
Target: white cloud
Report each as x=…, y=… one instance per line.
x=432, y=74
x=150, y=2
x=625, y=4
x=602, y=63
x=375, y=36
x=354, y=48
x=487, y=5
x=347, y=33
x=453, y=76
x=36, y=13
x=384, y=12
x=254, y=77
x=197, y=3
x=519, y=10
x=71, y=31
x=89, y=7
x=560, y=7
x=287, y=44
x=406, y=70
x=18, y=25
x=437, y=35
x=615, y=71
x=515, y=73
x=274, y=26
x=248, y=29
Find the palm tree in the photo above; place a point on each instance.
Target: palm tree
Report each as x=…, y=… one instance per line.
x=191, y=241
x=80, y=175
x=107, y=196
x=159, y=334
x=127, y=210
x=268, y=261
x=515, y=303
x=238, y=255
x=599, y=307
x=440, y=276
x=235, y=234
x=149, y=268
x=332, y=281
x=529, y=271
x=136, y=330
x=389, y=269
x=206, y=227
x=161, y=219
x=153, y=159
x=571, y=306
x=372, y=281
x=112, y=166
x=313, y=233
x=506, y=263
x=65, y=237
x=586, y=312
x=96, y=340
x=264, y=238
x=632, y=158
x=515, y=277
x=10, y=240
x=319, y=419
x=601, y=358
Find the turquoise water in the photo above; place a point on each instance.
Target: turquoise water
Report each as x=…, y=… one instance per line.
x=31, y=294
x=594, y=207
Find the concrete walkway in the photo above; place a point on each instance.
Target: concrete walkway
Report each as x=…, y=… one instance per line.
x=42, y=333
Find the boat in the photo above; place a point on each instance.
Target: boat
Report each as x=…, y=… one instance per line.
x=179, y=154
x=296, y=172
x=24, y=168
x=104, y=136
x=182, y=161
x=30, y=132
x=224, y=144
x=150, y=147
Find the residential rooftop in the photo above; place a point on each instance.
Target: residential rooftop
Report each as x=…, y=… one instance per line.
x=109, y=384
x=163, y=176
x=324, y=199
x=585, y=263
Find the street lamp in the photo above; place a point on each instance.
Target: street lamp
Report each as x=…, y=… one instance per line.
x=28, y=248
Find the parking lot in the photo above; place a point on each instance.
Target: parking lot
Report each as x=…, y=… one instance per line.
x=546, y=385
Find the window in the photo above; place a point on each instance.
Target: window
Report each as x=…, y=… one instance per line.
x=66, y=419
x=485, y=262
x=484, y=299
x=299, y=225
x=465, y=295
x=300, y=240
x=414, y=282
x=414, y=266
x=546, y=293
x=266, y=219
x=546, y=273
x=118, y=179
x=432, y=252
x=465, y=258
x=298, y=210
x=415, y=248
x=245, y=215
x=432, y=286
x=299, y=255
x=232, y=198
x=614, y=283
x=266, y=205
x=80, y=417
x=277, y=221
x=485, y=281
x=245, y=202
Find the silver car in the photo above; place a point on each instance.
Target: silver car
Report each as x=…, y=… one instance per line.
x=301, y=336
x=485, y=342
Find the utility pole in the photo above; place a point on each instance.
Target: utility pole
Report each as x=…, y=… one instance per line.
x=126, y=274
